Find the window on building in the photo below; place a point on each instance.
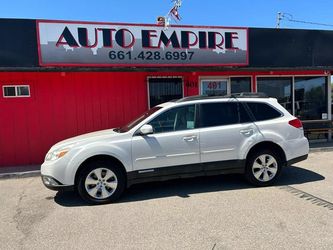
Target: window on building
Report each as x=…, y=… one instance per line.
x=23, y=91
x=164, y=89
x=176, y=119
x=9, y=91
x=311, y=98
x=16, y=91
x=278, y=87
x=217, y=114
x=214, y=87
x=262, y=111
x=240, y=84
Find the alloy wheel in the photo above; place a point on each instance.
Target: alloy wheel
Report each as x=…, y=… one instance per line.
x=264, y=168
x=101, y=183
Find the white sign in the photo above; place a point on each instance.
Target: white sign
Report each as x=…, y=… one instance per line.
x=102, y=44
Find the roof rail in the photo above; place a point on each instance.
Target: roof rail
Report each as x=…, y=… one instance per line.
x=235, y=95
x=250, y=94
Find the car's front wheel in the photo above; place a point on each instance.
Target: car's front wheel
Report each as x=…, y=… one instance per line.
x=263, y=167
x=101, y=182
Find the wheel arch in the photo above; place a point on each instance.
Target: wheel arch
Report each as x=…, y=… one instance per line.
x=93, y=158
x=268, y=145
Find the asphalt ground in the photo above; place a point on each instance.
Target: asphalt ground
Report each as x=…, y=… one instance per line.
x=221, y=212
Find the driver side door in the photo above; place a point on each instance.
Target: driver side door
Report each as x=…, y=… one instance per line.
x=174, y=143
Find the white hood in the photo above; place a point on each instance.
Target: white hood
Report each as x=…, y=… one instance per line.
x=98, y=135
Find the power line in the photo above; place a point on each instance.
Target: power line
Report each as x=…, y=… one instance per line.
x=289, y=17
x=306, y=22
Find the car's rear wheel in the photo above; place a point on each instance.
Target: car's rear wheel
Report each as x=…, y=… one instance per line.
x=101, y=182
x=263, y=167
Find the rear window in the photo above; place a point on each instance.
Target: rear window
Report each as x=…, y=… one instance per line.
x=263, y=111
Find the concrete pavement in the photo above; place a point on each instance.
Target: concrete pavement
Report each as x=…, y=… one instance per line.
x=221, y=212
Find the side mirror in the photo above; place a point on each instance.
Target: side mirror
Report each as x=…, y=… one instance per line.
x=146, y=129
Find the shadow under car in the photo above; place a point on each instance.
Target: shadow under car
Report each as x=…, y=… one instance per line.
x=185, y=187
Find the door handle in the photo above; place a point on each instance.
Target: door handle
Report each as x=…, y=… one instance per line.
x=247, y=132
x=190, y=138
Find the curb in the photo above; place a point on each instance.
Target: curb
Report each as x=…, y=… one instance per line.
x=325, y=149
x=35, y=173
x=18, y=175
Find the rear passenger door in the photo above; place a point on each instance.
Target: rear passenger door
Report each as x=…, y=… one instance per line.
x=225, y=128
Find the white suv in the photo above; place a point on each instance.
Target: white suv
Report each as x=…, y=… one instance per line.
x=193, y=136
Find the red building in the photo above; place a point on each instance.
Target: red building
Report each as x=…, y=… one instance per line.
x=61, y=79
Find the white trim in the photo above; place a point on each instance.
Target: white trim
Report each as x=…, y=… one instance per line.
x=146, y=158
x=329, y=96
x=16, y=94
x=293, y=95
x=185, y=154
x=329, y=103
x=161, y=77
x=148, y=97
x=146, y=171
x=217, y=150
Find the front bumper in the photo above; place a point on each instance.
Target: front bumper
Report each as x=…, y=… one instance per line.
x=53, y=184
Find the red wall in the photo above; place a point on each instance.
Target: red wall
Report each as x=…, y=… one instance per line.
x=65, y=104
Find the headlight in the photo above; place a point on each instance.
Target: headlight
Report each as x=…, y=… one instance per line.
x=57, y=154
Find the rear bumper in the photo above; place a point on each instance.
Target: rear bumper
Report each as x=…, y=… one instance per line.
x=297, y=159
x=53, y=184
x=296, y=148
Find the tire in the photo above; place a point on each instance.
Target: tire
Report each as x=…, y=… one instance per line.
x=263, y=167
x=101, y=182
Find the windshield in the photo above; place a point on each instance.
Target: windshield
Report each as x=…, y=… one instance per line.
x=136, y=121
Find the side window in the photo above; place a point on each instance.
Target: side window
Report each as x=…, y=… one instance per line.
x=263, y=111
x=217, y=114
x=180, y=118
x=244, y=115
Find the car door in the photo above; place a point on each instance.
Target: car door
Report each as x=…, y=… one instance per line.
x=223, y=134
x=174, y=143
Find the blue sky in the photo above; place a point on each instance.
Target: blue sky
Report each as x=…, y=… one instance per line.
x=245, y=13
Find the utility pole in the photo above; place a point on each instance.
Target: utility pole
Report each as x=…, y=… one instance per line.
x=279, y=18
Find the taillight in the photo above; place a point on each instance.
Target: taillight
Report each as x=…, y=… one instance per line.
x=296, y=123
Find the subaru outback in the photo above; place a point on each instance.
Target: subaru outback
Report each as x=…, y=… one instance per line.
x=194, y=136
